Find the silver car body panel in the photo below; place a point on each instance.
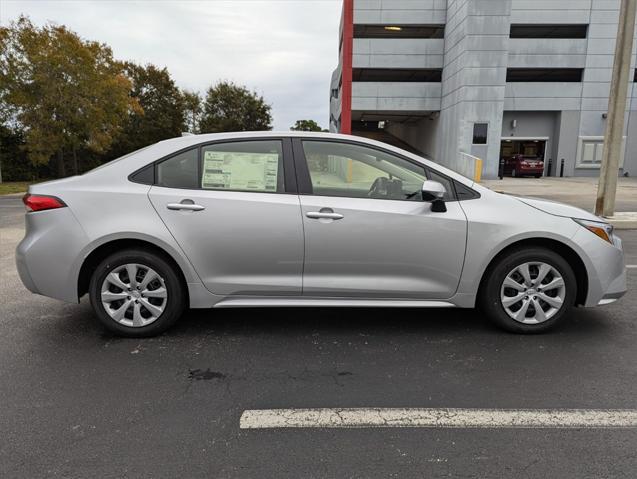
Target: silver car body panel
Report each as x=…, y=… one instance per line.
x=100, y=210
x=241, y=243
x=557, y=209
x=382, y=252
x=291, y=302
x=497, y=221
x=383, y=248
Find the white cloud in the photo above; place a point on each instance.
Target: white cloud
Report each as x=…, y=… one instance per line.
x=284, y=49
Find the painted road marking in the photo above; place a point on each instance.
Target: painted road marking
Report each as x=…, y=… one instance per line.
x=438, y=418
x=631, y=266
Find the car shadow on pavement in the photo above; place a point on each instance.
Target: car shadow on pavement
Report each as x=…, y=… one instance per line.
x=79, y=322
x=293, y=321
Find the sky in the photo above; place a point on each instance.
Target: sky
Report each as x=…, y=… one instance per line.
x=284, y=50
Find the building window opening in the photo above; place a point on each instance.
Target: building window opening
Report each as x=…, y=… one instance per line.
x=549, y=31
x=545, y=74
x=397, y=75
x=522, y=157
x=480, y=132
x=399, y=31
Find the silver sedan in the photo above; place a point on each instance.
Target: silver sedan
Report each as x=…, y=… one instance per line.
x=300, y=219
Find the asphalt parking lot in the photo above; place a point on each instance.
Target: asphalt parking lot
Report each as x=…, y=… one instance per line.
x=76, y=402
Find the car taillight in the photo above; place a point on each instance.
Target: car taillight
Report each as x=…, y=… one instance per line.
x=42, y=202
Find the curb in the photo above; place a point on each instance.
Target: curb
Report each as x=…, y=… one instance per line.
x=13, y=195
x=623, y=220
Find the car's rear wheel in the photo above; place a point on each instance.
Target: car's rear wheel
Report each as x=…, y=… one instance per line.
x=135, y=293
x=529, y=290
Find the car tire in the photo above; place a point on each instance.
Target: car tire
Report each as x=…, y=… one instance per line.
x=135, y=309
x=496, y=298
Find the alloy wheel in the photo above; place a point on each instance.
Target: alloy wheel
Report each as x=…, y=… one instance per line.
x=134, y=295
x=533, y=292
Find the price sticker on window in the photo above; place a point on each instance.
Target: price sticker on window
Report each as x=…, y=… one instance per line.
x=240, y=171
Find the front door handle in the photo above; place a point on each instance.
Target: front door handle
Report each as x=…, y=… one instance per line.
x=330, y=215
x=190, y=206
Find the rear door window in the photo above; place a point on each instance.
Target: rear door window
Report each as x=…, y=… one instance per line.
x=243, y=166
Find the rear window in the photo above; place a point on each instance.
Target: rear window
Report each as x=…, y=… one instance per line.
x=179, y=171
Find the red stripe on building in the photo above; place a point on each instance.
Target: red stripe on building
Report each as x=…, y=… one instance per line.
x=348, y=48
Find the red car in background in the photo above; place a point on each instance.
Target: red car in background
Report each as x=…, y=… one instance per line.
x=521, y=165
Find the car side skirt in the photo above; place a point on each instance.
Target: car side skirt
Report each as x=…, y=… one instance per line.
x=234, y=302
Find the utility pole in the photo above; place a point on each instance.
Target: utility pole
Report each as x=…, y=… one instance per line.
x=613, y=139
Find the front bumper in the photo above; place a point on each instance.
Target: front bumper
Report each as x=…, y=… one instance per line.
x=605, y=265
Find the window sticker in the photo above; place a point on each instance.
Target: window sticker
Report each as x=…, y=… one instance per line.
x=240, y=171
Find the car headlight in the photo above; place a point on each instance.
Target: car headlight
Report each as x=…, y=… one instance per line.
x=603, y=230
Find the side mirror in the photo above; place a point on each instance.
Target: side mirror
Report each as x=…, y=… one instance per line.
x=434, y=192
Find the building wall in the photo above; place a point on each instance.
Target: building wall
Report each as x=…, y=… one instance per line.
x=476, y=44
x=388, y=12
x=474, y=56
x=423, y=135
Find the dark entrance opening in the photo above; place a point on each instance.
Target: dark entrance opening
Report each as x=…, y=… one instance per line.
x=523, y=157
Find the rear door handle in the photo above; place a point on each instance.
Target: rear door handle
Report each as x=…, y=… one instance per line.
x=185, y=206
x=324, y=215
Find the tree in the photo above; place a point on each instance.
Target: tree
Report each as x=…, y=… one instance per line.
x=192, y=110
x=64, y=92
x=161, y=109
x=306, y=125
x=229, y=107
x=15, y=164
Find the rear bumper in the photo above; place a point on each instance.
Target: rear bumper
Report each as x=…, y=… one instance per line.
x=530, y=170
x=46, y=257
x=23, y=270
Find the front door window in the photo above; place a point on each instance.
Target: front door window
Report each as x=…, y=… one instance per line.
x=354, y=171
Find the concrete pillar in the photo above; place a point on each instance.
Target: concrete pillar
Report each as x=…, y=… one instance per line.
x=474, y=79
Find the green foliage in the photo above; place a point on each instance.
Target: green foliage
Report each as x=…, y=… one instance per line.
x=13, y=187
x=192, y=110
x=65, y=101
x=161, y=109
x=14, y=163
x=306, y=125
x=229, y=107
x=65, y=93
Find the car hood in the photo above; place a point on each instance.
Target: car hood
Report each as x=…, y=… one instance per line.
x=559, y=209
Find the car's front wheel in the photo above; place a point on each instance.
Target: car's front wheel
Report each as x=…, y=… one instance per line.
x=529, y=290
x=135, y=293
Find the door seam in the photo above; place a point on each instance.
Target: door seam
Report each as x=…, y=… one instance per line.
x=175, y=239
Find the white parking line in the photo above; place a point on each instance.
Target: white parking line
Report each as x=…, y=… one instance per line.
x=438, y=418
x=631, y=266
